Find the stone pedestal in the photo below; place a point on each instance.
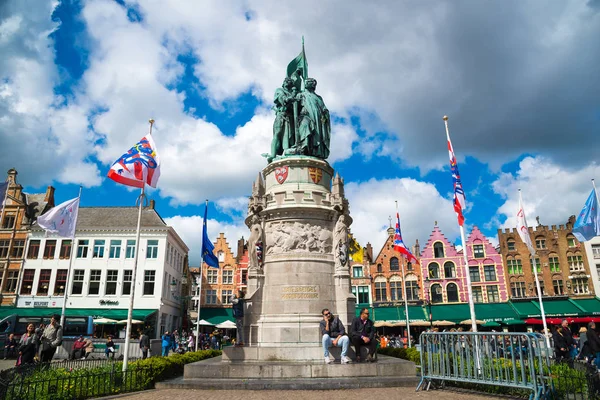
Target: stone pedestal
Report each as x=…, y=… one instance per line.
x=298, y=277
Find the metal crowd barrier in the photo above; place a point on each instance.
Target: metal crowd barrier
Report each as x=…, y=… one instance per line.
x=517, y=360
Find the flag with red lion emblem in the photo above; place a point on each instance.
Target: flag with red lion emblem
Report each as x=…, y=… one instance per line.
x=139, y=166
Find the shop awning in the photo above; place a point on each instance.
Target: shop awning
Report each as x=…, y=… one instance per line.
x=450, y=312
x=117, y=314
x=589, y=306
x=513, y=322
x=497, y=312
x=526, y=309
x=397, y=315
x=560, y=308
x=217, y=315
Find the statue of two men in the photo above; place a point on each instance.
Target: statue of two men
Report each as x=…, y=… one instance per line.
x=302, y=122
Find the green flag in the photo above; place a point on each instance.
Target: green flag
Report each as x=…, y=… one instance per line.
x=297, y=69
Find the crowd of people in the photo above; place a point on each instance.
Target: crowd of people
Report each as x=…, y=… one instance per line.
x=37, y=343
x=584, y=345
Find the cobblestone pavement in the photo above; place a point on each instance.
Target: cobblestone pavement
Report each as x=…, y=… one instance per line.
x=386, y=393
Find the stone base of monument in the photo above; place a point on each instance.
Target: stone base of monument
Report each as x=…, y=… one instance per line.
x=225, y=373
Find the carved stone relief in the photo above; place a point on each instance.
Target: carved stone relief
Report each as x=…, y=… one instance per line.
x=297, y=237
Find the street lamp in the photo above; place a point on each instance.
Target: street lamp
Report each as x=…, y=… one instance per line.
x=428, y=302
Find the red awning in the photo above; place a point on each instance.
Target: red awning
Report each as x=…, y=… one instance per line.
x=557, y=321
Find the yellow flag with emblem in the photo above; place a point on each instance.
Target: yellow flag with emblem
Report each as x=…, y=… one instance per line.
x=355, y=250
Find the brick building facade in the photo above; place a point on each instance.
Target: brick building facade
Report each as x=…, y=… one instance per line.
x=443, y=267
x=19, y=212
x=561, y=262
x=218, y=284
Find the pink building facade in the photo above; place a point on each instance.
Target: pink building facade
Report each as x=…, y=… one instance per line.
x=443, y=266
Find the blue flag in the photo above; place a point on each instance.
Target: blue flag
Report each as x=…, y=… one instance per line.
x=207, y=247
x=3, y=190
x=587, y=225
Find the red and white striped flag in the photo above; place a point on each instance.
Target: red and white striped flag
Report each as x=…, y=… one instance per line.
x=459, y=193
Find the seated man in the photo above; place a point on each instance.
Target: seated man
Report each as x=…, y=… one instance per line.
x=10, y=346
x=78, y=349
x=362, y=333
x=334, y=333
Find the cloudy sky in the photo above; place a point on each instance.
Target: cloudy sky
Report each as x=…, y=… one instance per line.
x=519, y=80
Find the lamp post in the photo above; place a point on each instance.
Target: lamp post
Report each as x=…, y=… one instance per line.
x=428, y=302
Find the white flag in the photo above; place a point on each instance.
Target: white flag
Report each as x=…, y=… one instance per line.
x=62, y=219
x=523, y=229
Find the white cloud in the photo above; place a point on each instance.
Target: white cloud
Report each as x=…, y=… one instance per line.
x=419, y=203
x=549, y=191
x=189, y=228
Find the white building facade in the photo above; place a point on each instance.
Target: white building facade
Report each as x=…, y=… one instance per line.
x=592, y=248
x=102, y=268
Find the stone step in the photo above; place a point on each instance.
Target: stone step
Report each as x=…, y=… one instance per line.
x=286, y=353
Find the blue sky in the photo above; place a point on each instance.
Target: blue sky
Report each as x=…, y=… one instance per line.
x=519, y=81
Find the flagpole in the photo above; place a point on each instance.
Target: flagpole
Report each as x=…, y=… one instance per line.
x=404, y=294
x=72, y=256
x=596, y=191
x=537, y=283
x=134, y=273
x=200, y=286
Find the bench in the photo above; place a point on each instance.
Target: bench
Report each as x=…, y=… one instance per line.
x=101, y=348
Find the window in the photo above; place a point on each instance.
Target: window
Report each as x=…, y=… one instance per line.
x=554, y=264
x=557, y=284
x=436, y=294
x=510, y=244
x=357, y=272
x=580, y=285
x=394, y=265
x=12, y=278
x=149, y=279
x=412, y=288
x=514, y=266
x=127, y=277
x=9, y=221
x=94, y=283
x=226, y=296
x=98, y=248
x=363, y=294
x=493, y=294
x=409, y=266
x=474, y=274
x=152, y=249
x=449, y=270
x=130, y=250
x=571, y=241
x=438, y=250
x=452, y=292
x=540, y=243
x=227, y=277
x=489, y=272
x=212, y=276
x=18, y=248
x=517, y=289
x=111, y=282
x=596, y=251
x=538, y=266
x=27, y=283
x=396, y=290
x=49, y=249
x=34, y=249
x=65, y=249
x=575, y=263
x=478, y=251
x=115, y=249
x=380, y=291
x=82, y=248
x=211, y=297
x=477, y=294
x=379, y=268
x=60, y=282
x=44, y=282
x=4, y=246
x=221, y=256
x=245, y=277
x=77, y=286
x=434, y=270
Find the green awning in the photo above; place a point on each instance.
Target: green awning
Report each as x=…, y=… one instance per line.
x=514, y=322
x=526, y=309
x=449, y=312
x=497, y=312
x=217, y=315
x=491, y=324
x=590, y=306
x=560, y=308
x=118, y=314
x=397, y=314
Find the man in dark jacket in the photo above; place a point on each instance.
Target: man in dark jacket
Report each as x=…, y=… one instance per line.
x=362, y=333
x=238, y=314
x=561, y=348
x=568, y=337
x=333, y=333
x=594, y=342
x=144, y=344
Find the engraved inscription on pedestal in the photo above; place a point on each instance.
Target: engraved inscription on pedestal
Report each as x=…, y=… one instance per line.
x=299, y=292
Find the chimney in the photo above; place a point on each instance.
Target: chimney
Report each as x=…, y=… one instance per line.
x=152, y=204
x=370, y=252
x=12, y=176
x=416, y=248
x=49, y=198
x=240, y=249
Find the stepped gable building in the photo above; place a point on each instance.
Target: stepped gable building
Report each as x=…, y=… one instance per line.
x=218, y=283
x=102, y=272
x=20, y=211
x=561, y=262
x=386, y=272
x=443, y=268
x=241, y=275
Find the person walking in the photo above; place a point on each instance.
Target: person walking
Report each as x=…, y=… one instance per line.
x=144, y=344
x=166, y=344
x=238, y=314
x=28, y=346
x=594, y=342
x=51, y=339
